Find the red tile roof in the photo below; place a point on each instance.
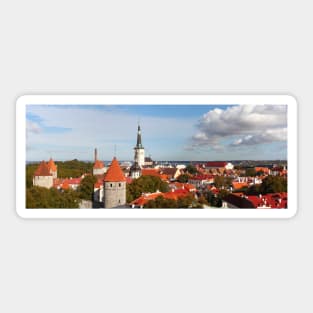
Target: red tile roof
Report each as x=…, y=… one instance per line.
x=272, y=200
x=51, y=165
x=215, y=164
x=65, y=183
x=114, y=173
x=150, y=171
x=98, y=164
x=175, y=195
x=153, y=172
x=239, y=185
x=42, y=170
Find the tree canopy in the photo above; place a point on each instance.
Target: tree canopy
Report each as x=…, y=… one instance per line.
x=86, y=186
x=39, y=197
x=191, y=169
x=145, y=184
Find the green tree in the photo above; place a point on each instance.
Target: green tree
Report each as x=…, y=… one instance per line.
x=250, y=172
x=39, y=197
x=191, y=169
x=144, y=184
x=272, y=184
x=222, y=181
x=86, y=187
x=183, y=178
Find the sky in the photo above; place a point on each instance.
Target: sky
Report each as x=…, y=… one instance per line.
x=169, y=132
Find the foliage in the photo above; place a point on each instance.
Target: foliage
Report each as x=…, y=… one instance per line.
x=191, y=169
x=213, y=200
x=86, y=187
x=251, y=172
x=253, y=190
x=39, y=197
x=144, y=184
x=162, y=203
x=73, y=168
x=183, y=178
x=272, y=184
x=222, y=181
x=30, y=169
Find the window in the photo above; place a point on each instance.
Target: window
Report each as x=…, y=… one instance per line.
x=111, y=185
x=119, y=184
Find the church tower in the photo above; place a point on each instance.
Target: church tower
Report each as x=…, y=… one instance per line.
x=114, y=186
x=139, y=150
x=98, y=167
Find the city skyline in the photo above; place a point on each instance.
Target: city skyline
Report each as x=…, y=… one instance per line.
x=169, y=132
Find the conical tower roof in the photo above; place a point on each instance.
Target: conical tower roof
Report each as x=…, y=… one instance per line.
x=114, y=173
x=51, y=165
x=42, y=169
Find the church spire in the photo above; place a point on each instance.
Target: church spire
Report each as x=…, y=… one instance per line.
x=139, y=143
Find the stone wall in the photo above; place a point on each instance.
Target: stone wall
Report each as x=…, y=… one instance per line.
x=114, y=194
x=43, y=181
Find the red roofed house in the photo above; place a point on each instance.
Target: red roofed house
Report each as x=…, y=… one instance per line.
x=153, y=172
x=174, y=194
x=268, y=201
x=200, y=180
x=114, y=186
x=42, y=176
x=219, y=165
x=67, y=183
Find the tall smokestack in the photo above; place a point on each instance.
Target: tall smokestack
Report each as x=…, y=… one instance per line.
x=96, y=154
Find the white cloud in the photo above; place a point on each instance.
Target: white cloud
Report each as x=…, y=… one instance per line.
x=243, y=125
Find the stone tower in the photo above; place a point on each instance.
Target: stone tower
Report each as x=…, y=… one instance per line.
x=139, y=150
x=114, y=186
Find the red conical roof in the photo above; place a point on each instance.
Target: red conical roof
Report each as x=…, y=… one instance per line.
x=51, y=165
x=42, y=169
x=114, y=173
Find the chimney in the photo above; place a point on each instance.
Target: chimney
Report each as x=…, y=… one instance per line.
x=96, y=154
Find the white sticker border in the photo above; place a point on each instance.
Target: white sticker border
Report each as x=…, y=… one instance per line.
x=292, y=155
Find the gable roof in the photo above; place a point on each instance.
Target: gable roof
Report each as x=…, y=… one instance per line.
x=114, y=173
x=42, y=170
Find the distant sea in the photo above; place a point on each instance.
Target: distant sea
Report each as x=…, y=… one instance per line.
x=252, y=163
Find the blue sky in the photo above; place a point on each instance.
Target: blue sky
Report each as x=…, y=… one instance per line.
x=169, y=132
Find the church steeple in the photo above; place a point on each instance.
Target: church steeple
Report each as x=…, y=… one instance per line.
x=139, y=143
x=139, y=150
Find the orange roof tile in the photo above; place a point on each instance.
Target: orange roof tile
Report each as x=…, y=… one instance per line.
x=239, y=185
x=51, y=165
x=42, y=169
x=150, y=171
x=98, y=164
x=114, y=173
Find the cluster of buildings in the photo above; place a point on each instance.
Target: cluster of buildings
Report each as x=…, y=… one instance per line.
x=110, y=187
